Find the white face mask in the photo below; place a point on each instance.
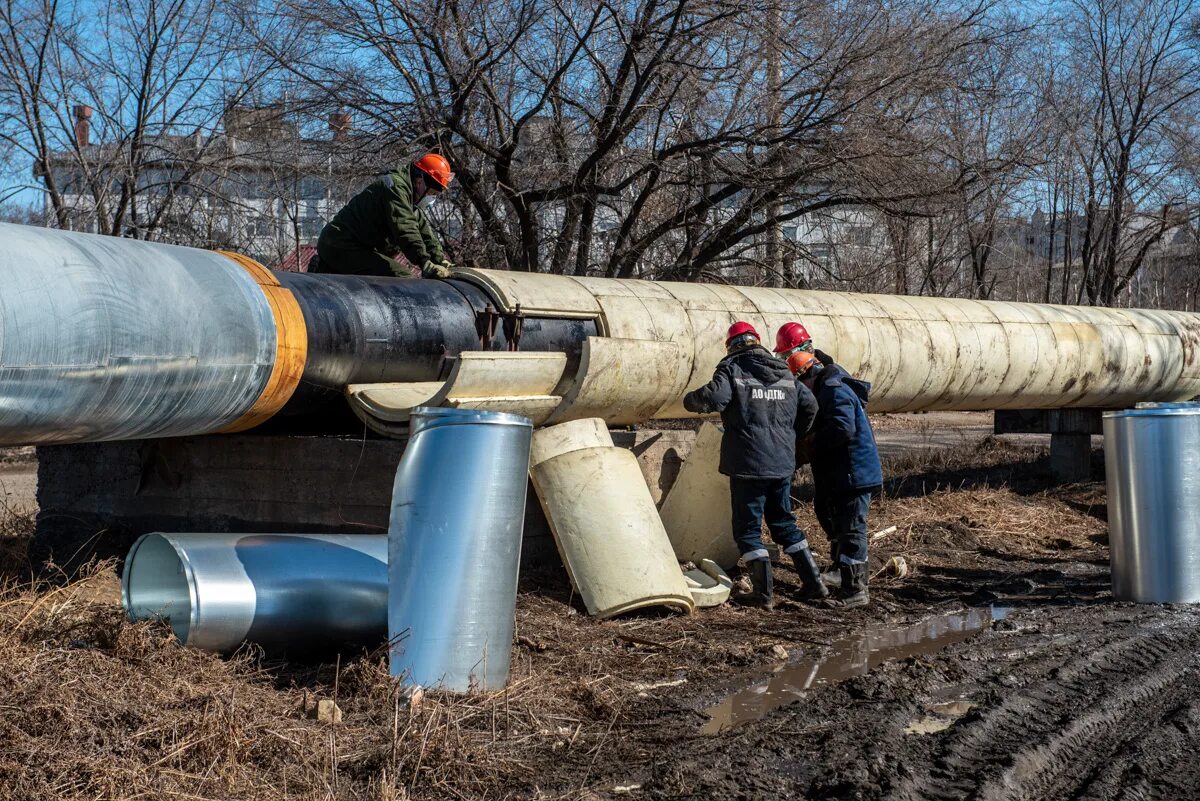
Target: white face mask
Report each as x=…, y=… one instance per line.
x=427, y=202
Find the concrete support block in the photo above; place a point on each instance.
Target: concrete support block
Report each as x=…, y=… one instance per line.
x=1048, y=421
x=1071, y=457
x=96, y=499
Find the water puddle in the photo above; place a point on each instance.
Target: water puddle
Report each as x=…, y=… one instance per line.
x=846, y=658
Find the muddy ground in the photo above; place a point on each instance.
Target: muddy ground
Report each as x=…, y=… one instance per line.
x=1061, y=693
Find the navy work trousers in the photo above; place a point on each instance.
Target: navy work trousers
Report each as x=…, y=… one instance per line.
x=756, y=499
x=843, y=518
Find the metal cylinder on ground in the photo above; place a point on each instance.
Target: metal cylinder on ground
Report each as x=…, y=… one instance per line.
x=458, y=511
x=1152, y=464
x=294, y=593
x=604, y=521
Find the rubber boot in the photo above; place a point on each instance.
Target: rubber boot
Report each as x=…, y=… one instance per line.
x=811, y=587
x=854, y=589
x=832, y=577
x=763, y=594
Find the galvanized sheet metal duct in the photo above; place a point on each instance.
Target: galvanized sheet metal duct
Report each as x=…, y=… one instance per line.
x=1152, y=465
x=104, y=338
x=458, y=510
x=919, y=353
x=286, y=592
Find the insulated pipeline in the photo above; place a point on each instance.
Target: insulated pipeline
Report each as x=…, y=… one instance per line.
x=363, y=330
x=104, y=338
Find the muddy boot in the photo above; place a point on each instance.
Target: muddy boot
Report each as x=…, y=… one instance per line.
x=832, y=577
x=854, y=589
x=812, y=589
x=763, y=594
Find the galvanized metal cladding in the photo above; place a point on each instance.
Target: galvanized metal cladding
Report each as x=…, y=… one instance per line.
x=107, y=338
x=1152, y=466
x=458, y=511
x=297, y=593
x=104, y=339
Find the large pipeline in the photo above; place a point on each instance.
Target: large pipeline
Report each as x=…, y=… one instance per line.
x=104, y=338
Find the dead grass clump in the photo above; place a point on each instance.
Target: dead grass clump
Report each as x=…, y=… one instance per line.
x=989, y=517
x=96, y=707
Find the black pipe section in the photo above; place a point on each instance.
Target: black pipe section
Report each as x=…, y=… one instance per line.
x=366, y=329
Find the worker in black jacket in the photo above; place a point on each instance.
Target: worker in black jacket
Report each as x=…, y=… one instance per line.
x=763, y=408
x=845, y=467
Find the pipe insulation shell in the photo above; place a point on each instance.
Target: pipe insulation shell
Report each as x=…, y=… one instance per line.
x=919, y=353
x=300, y=593
x=103, y=338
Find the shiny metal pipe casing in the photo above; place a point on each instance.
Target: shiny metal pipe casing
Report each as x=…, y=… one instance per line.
x=1152, y=464
x=103, y=338
x=458, y=510
x=294, y=593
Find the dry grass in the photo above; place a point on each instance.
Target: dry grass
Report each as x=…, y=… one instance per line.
x=94, y=707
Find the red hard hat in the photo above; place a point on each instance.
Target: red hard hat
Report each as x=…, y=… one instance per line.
x=436, y=167
x=791, y=336
x=738, y=329
x=801, y=362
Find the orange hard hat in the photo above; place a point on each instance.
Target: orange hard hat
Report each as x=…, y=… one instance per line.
x=801, y=362
x=791, y=336
x=739, y=329
x=436, y=167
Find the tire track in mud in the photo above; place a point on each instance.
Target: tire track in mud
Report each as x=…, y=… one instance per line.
x=1090, y=723
x=1162, y=765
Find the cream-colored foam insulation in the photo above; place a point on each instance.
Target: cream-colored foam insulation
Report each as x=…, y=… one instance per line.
x=604, y=521
x=918, y=353
x=696, y=512
x=518, y=383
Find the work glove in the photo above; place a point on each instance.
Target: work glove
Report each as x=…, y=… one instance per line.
x=431, y=270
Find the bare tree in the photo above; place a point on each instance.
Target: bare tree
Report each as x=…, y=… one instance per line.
x=1137, y=67
x=657, y=138
x=118, y=106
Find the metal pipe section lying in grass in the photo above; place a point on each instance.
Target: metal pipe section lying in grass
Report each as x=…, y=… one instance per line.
x=458, y=510
x=294, y=593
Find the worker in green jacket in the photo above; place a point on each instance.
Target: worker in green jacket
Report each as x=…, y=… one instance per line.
x=385, y=220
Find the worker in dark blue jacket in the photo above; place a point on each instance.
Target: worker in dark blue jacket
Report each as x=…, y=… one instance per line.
x=763, y=408
x=845, y=467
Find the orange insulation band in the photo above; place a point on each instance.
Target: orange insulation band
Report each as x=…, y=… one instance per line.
x=291, y=346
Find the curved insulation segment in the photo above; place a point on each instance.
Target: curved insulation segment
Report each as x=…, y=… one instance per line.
x=604, y=521
x=293, y=592
x=104, y=338
x=919, y=353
